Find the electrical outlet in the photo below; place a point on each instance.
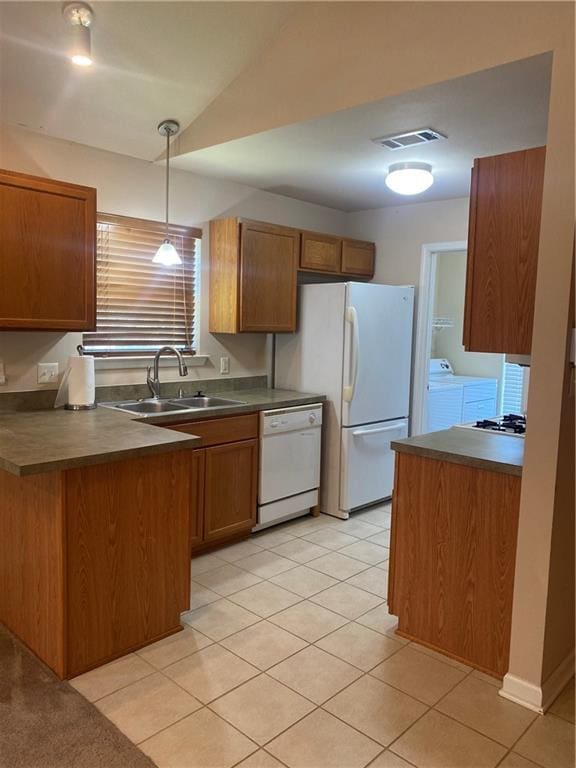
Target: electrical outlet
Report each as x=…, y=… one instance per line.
x=47, y=373
x=224, y=365
x=2, y=372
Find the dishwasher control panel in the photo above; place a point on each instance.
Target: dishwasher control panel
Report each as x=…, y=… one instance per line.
x=291, y=419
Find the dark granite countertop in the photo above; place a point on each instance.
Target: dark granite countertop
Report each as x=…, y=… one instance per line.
x=473, y=448
x=53, y=440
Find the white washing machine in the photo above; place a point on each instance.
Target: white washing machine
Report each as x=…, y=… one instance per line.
x=454, y=399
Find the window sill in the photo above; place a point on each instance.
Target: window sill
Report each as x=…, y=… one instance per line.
x=166, y=361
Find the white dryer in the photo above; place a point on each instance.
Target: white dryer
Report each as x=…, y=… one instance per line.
x=455, y=399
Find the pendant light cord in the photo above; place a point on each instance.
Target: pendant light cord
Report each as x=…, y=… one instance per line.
x=168, y=134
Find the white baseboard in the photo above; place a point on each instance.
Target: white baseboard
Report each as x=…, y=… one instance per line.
x=538, y=697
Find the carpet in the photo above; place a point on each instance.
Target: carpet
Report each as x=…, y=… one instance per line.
x=45, y=723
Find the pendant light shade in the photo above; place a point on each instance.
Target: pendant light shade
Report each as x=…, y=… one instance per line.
x=167, y=255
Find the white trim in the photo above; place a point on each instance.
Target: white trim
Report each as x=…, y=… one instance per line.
x=534, y=697
x=143, y=361
x=522, y=692
x=425, y=305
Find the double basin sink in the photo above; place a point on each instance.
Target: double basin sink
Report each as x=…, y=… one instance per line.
x=152, y=406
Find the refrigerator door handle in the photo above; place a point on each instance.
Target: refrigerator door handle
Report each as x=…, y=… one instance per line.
x=352, y=318
x=377, y=430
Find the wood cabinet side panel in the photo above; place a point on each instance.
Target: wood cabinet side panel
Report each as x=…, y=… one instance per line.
x=507, y=200
x=32, y=564
x=197, y=499
x=224, y=276
x=128, y=555
x=230, y=490
x=454, y=558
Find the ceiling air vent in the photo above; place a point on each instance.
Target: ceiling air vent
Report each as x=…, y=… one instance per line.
x=410, y=139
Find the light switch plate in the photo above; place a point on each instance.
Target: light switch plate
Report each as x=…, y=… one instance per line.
x=47, y=373
x=224, y=365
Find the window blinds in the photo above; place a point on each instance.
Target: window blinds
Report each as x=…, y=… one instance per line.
x=141, y=306
x=514, y=382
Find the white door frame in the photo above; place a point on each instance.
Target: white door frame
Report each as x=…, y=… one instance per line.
x=424, y=318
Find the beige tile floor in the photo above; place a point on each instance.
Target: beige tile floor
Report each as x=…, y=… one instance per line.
x=289, y=658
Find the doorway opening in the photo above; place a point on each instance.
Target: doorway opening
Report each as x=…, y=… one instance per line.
x=452, y=386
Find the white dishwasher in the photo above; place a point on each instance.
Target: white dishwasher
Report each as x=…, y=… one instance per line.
x=290, y=447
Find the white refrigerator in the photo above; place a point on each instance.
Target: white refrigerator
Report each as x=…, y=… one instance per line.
x=354, y=344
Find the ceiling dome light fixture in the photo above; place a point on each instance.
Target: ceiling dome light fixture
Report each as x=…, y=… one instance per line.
x=409, y=178
x=167, y=255
x=80, y=17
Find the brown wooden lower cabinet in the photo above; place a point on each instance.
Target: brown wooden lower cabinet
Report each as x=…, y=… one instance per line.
x=452, y=558
x=224, y=484
x=95, y=560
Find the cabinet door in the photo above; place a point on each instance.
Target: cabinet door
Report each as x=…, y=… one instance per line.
x=269, y=261
x=504, y=229
x=230, y=485
x=320, y=253
x=197, y=499
x=47, y=254
x=358, y=258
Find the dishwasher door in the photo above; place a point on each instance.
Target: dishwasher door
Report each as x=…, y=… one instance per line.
x=289, y=452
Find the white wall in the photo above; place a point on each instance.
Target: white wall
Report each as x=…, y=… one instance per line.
x=400, y=232
x=134, y=187
x=449, y=302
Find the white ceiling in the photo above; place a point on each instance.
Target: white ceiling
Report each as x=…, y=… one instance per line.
x=331, y=160
x=153, y=60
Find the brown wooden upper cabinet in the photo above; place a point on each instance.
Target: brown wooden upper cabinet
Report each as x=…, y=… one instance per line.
x=358, y=258
x=253, y=272
x=504, y=230
x=252, y=277
x=47, y=254
x=320, y=253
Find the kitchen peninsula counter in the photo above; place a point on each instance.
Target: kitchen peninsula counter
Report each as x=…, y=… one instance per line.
x=470, y=447
x=453, y=543
x=95, y=510
x=52, y=440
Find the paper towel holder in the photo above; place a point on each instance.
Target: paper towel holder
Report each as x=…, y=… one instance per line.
x=71, y=407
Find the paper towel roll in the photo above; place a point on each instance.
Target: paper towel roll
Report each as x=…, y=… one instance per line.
x=81, y=389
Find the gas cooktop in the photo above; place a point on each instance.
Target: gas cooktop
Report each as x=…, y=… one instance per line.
x=509, y=424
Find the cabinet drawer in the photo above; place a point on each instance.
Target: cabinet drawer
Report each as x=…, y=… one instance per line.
x=222, y=430
x=358, y=258
x=481, y=409
x=320, y=253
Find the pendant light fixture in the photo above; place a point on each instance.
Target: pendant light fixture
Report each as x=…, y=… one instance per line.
x=167, y=255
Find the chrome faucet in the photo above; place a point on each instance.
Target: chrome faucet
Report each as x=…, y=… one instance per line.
x=154, y=381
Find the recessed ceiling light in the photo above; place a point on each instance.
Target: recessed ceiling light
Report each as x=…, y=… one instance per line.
x=409, y=178
x=80, y=17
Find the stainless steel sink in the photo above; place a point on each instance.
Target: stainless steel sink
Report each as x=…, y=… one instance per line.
x=152, y=406
x=146, y=406
x=204, y=401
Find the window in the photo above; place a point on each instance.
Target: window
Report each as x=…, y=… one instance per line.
x=515, y=388
x=141, y=306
